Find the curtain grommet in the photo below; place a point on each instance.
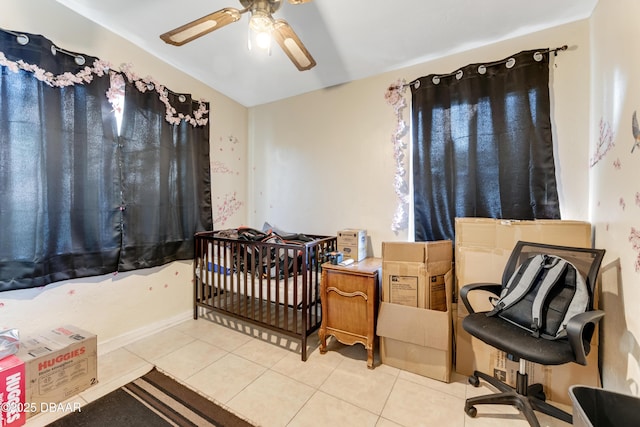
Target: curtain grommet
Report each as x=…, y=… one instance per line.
x=482, y=69
x=435, y=80
x=22, y=39
x=459, y=74
x=510, y=63
x=537, y=56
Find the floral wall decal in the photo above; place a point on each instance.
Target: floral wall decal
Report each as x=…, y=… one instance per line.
x=219, y=167
x=114, y=94
x=605, y=142
x=636, y=132
x=394, y=96
x=634, y=238
x=228, y=207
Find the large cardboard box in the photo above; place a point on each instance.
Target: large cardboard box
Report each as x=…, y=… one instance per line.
x=418, y=340
x=415, y=317
x=59, y=363
x=501, y=233
x=473, y=354
x=352, y=243
x=12, y=392
x=483, y=247
x=413, y=273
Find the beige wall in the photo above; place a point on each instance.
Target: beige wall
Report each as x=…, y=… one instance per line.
x=323, y=161
x=615, y=186
x=121, y=307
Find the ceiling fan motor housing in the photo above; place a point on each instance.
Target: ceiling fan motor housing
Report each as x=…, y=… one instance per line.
x=269, y=6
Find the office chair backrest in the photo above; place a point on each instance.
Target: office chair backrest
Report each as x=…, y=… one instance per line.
x=587, y=261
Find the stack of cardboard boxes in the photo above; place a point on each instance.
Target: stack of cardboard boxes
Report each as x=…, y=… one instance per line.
x=417, y=320
x=482, y=249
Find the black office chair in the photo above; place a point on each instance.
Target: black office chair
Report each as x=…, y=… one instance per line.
x=522, y=345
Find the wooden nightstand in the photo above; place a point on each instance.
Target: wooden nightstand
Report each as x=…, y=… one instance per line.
x=350, y=298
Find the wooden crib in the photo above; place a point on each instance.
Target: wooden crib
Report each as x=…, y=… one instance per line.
x=271, y=282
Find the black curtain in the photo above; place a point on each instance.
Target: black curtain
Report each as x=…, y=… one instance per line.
x=78, y=200
x=165, y=168
x=59, y=193
x=482, y=145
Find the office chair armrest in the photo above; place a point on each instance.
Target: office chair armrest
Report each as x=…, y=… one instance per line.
x=494, y=288
x=580, y=329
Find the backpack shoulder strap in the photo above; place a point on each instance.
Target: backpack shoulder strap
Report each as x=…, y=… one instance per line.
x=519, y=284
x=555, y=268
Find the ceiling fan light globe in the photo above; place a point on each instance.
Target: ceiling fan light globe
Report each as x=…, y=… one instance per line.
x=263, y=40
x=260, y=22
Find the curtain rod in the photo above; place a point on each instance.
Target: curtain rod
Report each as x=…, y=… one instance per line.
x=23, y=39
x=510, y=62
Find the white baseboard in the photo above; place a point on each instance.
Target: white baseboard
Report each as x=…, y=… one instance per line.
x=131, y=336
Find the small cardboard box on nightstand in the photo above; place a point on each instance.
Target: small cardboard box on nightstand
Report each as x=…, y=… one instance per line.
x=59, y=363
x=415, y=322
x=352, y=243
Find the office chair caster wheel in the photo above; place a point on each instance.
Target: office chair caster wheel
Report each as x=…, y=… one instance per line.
x=471, y=411
x=474, y=381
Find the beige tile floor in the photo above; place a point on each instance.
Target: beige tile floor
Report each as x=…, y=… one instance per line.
x=259, y=375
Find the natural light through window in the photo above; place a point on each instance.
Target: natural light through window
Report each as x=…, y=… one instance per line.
x=115, y=94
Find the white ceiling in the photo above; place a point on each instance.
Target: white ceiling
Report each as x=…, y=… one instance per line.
x=349, y=39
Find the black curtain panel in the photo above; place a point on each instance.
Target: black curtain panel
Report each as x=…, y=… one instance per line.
x=78, y=198
x=59, y=206
x=482, y=145
x=166, y=182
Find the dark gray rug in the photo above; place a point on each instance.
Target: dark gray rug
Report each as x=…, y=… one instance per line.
x=153, y=400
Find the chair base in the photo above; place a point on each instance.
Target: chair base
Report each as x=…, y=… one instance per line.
x=526, y=398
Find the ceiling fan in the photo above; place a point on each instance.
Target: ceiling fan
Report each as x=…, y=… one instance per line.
x=261, y=22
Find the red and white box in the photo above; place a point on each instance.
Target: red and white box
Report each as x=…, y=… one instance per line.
x=59, y=364
x=12, y=392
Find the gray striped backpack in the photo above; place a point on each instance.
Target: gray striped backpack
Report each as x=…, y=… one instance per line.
x=542, y=295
